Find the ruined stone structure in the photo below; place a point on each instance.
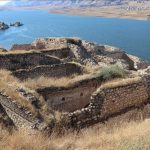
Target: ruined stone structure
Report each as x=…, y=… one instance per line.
x=82, y=51
x=85, y=101
x=21, y=117
x=110, y=101
x=57, y=70
x=22, y=47
x=70, y=98
x=26, y=60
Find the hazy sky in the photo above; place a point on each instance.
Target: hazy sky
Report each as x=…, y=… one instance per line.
x=3, y=2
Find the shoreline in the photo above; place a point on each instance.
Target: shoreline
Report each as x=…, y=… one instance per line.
x=99, y=16
x=107, y=12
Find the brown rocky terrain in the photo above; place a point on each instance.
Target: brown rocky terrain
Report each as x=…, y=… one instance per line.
x=132, y=9
x=70, y=83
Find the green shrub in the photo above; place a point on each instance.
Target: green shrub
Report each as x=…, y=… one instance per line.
x=111, y=72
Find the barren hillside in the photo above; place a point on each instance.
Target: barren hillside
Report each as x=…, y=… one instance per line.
x=78, y=2
x=134, y=9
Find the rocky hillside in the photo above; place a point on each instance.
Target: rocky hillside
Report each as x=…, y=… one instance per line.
x=134, y=9
x=94, y=3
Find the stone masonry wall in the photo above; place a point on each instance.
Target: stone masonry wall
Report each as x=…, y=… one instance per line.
x=21, y=117
x=58, y=70
x=25, y=60
x=71, y=98
x=110, y=101
x=122, y=97
x=60, y=53
x=26, y=47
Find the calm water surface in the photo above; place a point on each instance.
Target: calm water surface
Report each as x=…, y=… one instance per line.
x=131, y=35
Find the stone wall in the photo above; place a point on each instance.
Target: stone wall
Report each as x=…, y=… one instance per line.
x=25, y=47
x=111, y=101
x=17, y=115
x=108, y=101
x=70, y=98
x=122, y=56
x=21, y=117
x=60, y=53
x=58, y=70
x=108, y=54
x=26, y=60
x=121, y=97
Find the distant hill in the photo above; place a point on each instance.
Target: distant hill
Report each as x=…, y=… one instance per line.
x=75, y=2
x=135, y=9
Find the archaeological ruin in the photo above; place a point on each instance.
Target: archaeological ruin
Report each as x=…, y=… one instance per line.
x=83, y=82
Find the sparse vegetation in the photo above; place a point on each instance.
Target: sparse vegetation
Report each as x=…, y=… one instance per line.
x=8, y=85
x=128, y=136
x=54, y=82
x=46, y=82
x=120, y=82
x=111, y=72
x=107, y=73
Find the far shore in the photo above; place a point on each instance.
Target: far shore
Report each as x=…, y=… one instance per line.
x=104, y=12
x=108, y=12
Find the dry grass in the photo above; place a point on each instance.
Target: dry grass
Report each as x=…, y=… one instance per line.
x=131, y=136
x=120, y=82
x=8, y=85
x=106, y=73
x=18, y=52
x=54, y=82
x=47, y=82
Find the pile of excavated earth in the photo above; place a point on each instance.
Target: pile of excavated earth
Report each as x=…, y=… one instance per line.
x=71, y=83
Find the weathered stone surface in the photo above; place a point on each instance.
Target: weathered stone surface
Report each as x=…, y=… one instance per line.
x=84, y=52
x=26, y=60
x=112, y=101
x=20, y=116
x=57, y=70
x=68, y=99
